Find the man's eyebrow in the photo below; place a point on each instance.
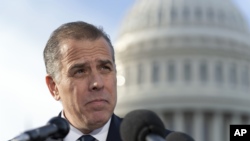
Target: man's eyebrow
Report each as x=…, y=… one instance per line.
x=79, y=65
x=104, y=62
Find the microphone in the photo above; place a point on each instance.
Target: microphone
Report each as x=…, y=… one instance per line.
x=178, y=136
x=56, y=128
x=141, y=125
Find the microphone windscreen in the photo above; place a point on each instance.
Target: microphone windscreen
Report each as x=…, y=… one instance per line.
x=62, y=126
x=137, y=124
x=178, y=136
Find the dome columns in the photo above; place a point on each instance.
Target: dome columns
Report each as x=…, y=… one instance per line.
x=198, y=125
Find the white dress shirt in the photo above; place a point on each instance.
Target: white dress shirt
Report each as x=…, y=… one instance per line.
x=99, y=134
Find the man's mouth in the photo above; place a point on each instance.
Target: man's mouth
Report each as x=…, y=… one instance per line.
x=98, y=101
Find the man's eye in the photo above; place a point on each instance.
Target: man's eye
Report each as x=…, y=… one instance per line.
x=105, y=69
x=80, y=71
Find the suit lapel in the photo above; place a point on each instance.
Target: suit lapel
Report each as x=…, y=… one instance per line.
x=114, y=129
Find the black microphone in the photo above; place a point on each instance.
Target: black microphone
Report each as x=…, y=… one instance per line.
x=178, y=136
x=56, y=128
x=142, y=125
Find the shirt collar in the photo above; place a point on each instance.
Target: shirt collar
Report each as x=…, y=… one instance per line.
x=100, y=134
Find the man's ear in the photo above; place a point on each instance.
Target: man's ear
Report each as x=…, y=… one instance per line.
x=52, y=87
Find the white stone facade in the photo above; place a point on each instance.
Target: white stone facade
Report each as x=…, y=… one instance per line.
x=189, y=61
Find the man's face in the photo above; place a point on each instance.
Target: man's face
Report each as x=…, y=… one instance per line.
x=87, y=88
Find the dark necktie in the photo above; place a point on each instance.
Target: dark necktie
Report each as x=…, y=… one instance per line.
x=86, y=138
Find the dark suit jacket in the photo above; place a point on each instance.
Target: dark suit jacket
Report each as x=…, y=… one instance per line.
x=113, y=133
x=114, y=130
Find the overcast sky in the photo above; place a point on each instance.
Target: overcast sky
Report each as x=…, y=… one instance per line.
x=25, y=26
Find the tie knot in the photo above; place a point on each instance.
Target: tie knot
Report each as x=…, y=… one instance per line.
x=86, y=138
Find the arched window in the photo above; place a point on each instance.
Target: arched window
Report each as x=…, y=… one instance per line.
x=155, y=72
x=203, y=71
x=187, y=71
x=210, y=14
x=219, y=72
x=173, y=14
x=140, y=74
x=245, y=76
x=171, y=71
x=233, y=74
x=198, y=13
x=186, y=13
x=160, y=15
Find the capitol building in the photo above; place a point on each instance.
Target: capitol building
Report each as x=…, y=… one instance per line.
x=188, y=61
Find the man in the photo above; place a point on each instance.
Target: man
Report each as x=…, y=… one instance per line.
x=81, y=74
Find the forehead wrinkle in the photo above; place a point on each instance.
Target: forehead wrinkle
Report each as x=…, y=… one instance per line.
x=71, y=57
x=102, y=49
x=73, y=50
x=85, y=44
x=72, y=54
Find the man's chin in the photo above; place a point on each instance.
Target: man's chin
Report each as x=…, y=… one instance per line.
x=95, y=124
x=100, y=117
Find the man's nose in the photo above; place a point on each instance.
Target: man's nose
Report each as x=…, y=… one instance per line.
x=96, y=82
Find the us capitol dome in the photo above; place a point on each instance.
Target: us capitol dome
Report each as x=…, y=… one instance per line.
x=188, y=61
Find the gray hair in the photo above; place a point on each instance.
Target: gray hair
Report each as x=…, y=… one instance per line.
x=73, y=30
